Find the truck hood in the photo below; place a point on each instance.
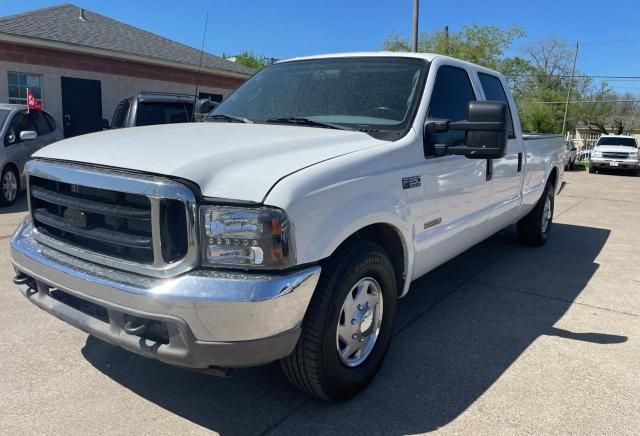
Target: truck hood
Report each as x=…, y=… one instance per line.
x=614, y=149
x=226, y=160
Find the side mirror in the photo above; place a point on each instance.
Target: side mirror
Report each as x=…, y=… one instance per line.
x=28, y=135
x=104, y=124
x=202, y=108
x=485, y=130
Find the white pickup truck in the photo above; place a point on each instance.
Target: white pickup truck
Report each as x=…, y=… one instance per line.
x=288, y=225
x=615, y=152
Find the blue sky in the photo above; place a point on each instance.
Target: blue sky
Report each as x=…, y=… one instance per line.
x=286, y=28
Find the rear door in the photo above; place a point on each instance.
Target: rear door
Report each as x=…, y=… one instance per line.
x=506, y=172
x=81, y=106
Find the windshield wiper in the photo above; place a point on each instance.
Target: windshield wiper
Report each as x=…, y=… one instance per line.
x=301, y=121
x=229, y=118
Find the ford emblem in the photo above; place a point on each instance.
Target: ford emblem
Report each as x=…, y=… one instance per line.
x=76, y=218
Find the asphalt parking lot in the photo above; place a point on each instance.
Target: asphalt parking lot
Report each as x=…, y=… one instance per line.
x=502, y=339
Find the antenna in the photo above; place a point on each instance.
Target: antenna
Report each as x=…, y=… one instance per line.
x=195, y=96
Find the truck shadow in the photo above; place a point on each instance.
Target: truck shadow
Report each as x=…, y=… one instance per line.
x=458, y=331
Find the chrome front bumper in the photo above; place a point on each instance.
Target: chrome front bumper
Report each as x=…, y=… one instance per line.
x=600, y=162
x=212, y=317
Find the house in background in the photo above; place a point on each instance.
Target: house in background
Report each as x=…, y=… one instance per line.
x=79, y=65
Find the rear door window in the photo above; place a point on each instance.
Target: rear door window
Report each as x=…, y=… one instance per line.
x=494, y=91
x=150, y=113
x=40, y=122
x=50, y=120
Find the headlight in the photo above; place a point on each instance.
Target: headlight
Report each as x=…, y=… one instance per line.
x=596, y=154
x=251, y=238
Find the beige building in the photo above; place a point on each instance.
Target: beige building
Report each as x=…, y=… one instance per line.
x=80, y=64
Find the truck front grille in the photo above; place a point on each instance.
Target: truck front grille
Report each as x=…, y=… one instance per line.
x=138, y=223
x=615, y=155
x=112, y=223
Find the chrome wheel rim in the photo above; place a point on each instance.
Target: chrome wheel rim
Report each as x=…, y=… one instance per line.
x=360, y=321
x=546, y=215
x=9, y=186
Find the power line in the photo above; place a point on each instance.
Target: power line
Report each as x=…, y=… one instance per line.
x=566, y=76
x=613, y=41
x=587, y=101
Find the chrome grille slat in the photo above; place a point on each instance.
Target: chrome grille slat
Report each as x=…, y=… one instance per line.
x=123, y=210
x=90, y=205
x=615, y=155
x=98, y=234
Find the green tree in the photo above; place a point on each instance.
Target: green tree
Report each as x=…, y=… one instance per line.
x=483, y=45
x=249, y=59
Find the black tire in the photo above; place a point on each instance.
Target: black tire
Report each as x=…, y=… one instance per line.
x=592, y=170
x=315, y=366
x=571, y=164
x=8, y=197
x=531, y=230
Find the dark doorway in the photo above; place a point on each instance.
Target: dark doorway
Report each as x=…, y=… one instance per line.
x=81, y=106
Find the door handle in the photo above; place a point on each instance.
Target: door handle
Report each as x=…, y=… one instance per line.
x=519, y=161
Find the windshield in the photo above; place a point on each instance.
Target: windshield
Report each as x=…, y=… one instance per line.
x=622, y=142
x=379, y=94
x=3, y=116
x=150, y=113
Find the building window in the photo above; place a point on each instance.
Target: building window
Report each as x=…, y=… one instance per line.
x=18, y=84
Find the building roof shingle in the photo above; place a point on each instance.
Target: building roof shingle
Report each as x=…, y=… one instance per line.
x=63, y=24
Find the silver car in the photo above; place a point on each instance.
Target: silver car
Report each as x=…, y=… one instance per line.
x=23, y=133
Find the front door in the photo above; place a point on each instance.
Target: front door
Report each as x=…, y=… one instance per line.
x=456, y=190
x=81, y=106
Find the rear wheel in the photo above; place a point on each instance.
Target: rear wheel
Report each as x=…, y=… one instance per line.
x=10, y=186
x=348, y=326
x=534, y=228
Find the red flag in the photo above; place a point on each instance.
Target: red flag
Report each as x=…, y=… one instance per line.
x=31, y=101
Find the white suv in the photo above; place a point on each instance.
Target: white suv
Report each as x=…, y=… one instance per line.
x=615, y=152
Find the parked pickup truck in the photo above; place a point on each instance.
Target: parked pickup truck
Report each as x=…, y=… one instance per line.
x=287, y=226
x=151, y=108
x=615, y=152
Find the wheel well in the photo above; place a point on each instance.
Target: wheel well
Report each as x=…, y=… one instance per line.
x=553, y=177
x=388, y=238
x=15, y=168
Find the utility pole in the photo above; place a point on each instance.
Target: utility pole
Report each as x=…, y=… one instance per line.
x=446, y=40
x=416, y=8
x=566, y=106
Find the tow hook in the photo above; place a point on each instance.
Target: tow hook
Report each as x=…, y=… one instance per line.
x=23, y=279
x=135, y=326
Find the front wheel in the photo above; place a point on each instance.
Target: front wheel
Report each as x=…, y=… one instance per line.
x=10, y=186
x=534, y=228
x=592, y=170
x=348, y=326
